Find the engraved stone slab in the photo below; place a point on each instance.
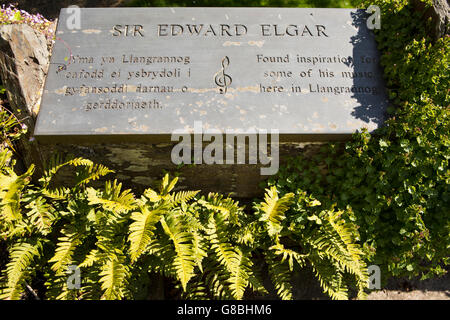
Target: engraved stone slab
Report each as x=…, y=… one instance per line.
x=141, y=73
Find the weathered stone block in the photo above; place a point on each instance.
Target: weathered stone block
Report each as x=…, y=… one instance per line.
x=24, y=59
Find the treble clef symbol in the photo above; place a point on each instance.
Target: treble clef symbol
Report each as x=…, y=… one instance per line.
x=222, y=79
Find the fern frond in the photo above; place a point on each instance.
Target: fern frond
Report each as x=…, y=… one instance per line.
x=57, y=288
x=344, y=233
x=249, y=233
x=198, y=248
x=237, y=264
x=41, y=214
x=10, y=192
x=341, y=247
x=21, y=228
x=226, y=206
x=289, y=255
x=334, y=251
x=239, y=277
x=57, y=162
x=91, y=173
x=195, y=290
x=280, y=275
x=152, y=195
x=59, y=193
x=330, y=277
x=161, y=255
x=167, y=185
x=273, y=209
x=142, y=229
x=114, y=274
x=184, y=261
x=225, y=251
x=65, y=250
x=216, y=280
x=21, y=257
x=112, y=199
x=183, y=196
x=254, y=280
x=216, y=208
x=90, y=259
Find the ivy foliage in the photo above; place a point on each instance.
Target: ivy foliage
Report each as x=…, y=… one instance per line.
x=394, y=183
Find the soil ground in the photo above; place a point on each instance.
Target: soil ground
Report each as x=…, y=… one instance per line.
x=400, y=289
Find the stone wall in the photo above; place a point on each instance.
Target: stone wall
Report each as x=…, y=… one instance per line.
x=139, y=165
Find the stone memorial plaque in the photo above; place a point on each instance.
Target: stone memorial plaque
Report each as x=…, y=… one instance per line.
x=144, y=73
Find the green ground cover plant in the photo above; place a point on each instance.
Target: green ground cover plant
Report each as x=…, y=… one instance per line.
x=394, y=182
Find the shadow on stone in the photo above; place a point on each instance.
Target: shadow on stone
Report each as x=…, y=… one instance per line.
x=369, y=108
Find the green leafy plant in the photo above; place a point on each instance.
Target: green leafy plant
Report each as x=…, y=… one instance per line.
x=118, y=240
x=205, y=247
x=394, y=182
x=309, y=235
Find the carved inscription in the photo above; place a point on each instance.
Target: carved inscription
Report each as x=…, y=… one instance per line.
x=152, y=71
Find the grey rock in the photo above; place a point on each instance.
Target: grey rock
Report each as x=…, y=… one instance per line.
x=441, y=16
x=439, y=13
x=24, y=59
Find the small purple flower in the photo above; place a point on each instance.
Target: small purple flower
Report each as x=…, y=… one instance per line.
x=37, y=21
